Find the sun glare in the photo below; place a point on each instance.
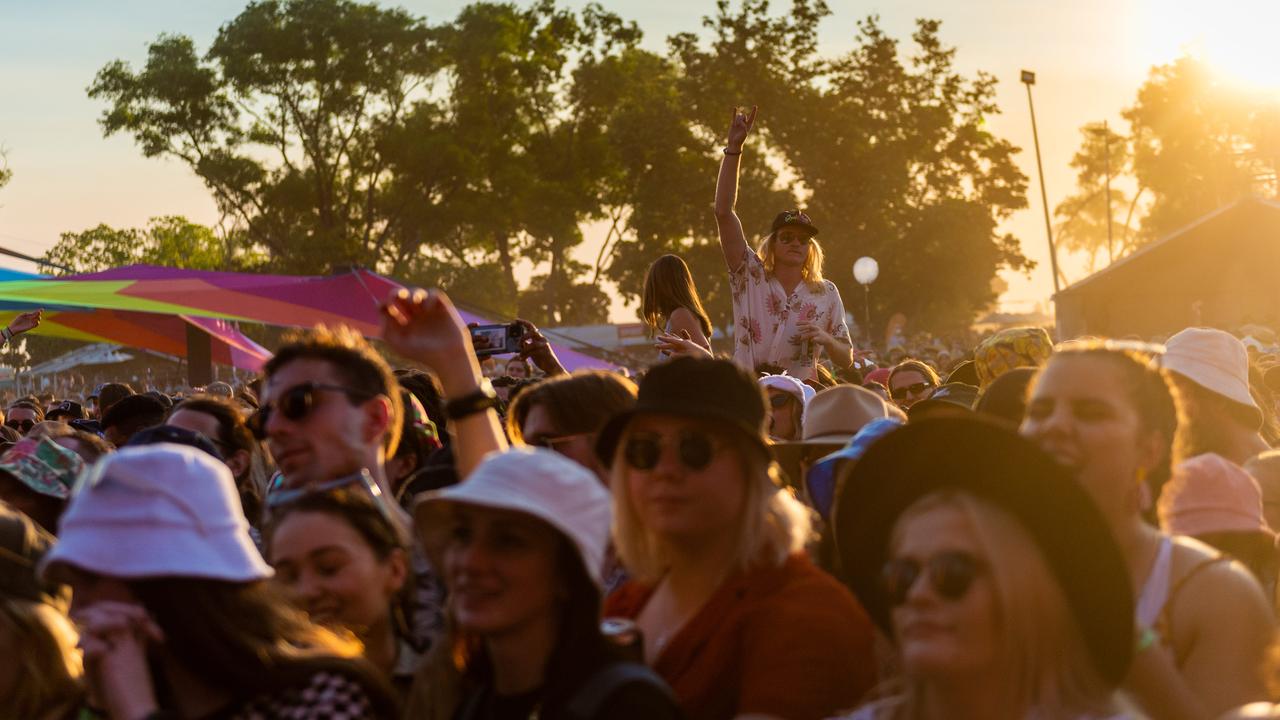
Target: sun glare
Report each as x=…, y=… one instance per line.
x=1237, y=37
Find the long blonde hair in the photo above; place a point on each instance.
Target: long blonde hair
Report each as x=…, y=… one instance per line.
x=1044, y=665
x=773, y=525
x=811, y=273
x=50, y=669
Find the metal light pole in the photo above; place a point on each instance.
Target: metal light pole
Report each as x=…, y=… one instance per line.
x=865, y=271
x=1029, y=79
x=1106, y=136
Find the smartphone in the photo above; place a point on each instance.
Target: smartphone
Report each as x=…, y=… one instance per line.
x=496, y=339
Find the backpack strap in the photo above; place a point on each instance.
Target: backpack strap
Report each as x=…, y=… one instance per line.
x=587, y=703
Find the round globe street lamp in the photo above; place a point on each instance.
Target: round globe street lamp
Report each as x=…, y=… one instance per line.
x=865, y=271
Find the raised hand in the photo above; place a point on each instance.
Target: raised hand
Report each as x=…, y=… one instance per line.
x=424, y=326
x=678, y=345
x=26, y=321
x=535, y=346
x=741, y=126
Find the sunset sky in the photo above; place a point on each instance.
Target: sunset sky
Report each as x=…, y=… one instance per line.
x=1090, y=56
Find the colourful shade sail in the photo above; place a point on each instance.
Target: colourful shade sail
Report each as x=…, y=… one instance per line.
x=149, y=306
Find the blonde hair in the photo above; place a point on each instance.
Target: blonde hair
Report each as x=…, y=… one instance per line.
x=811, y=273
x=773, y=525
x=1044, y=665
x=50, y=669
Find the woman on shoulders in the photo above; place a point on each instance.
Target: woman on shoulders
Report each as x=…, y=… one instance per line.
x=670, y=306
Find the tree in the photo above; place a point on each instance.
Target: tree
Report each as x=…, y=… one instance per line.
x=524, y=154
x=1195, y=144
x=6, y=174
x=1084, y=216
x=284, y=120
x=172, y=241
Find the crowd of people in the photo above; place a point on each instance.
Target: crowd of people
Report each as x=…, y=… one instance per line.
x=1077, y=531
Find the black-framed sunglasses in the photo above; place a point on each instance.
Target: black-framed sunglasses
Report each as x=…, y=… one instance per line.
x=912, y=389
x=695, y=449
x=279, y=497
x=800, y=240
x=297, y=402
x=951, y=574
x=22, y=426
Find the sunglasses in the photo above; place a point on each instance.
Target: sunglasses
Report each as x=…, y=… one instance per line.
x=279, y=497
x=22, y=426
x=643, y=450
x=793, y=240
x=552, y=442
x=777, y=401
x=297, y=402
x=951, y=574
x=912, y=389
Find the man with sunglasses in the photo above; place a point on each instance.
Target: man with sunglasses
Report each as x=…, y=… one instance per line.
x=910, y=382
x=330, y=408
x=22, y=416
x=784, y=312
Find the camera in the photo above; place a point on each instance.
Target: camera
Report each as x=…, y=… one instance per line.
x=496, y=339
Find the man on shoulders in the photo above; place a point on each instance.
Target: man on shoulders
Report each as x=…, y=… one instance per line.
x=784, y=312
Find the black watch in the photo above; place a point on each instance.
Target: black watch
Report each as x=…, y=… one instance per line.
x=483, y=398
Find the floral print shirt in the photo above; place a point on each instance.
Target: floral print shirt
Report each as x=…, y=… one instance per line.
x=766, y=318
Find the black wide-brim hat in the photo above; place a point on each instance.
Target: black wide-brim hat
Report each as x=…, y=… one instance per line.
x=977, y=457
x=718, y=391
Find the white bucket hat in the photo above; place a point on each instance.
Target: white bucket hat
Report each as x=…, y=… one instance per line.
x=789, y=384
x=534, y=481
x=157, y=511
x=1213, y=359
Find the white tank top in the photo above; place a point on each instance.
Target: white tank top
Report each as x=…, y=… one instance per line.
x=1155, y=591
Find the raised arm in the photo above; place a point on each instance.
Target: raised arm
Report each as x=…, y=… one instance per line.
x=732, y=239
x=425, y=327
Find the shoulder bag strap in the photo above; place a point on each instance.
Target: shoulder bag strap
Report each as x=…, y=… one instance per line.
x=590, y=698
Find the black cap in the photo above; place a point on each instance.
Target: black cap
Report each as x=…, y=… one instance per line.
x=702, y=388
x=946, y=397
x=793, y=218
x=176, y=435
x=979, y=457
x=70, y=409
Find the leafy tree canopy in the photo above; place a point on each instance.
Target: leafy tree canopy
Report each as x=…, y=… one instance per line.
x=334, y=132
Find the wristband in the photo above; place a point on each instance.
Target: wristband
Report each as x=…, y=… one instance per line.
x=1147, y=638
x=483, y=398
x=7, y=333
x=728, y=152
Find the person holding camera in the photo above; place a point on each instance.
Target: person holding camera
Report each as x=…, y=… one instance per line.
x=784, y=312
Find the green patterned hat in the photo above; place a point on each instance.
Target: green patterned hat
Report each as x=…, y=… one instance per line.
x=43, y=465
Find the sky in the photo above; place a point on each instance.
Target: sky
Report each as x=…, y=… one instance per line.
x=1090, y=57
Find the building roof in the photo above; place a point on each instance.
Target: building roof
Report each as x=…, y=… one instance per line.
x=1118, y=267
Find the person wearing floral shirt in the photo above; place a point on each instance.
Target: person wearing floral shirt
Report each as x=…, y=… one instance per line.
x=784, y=312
